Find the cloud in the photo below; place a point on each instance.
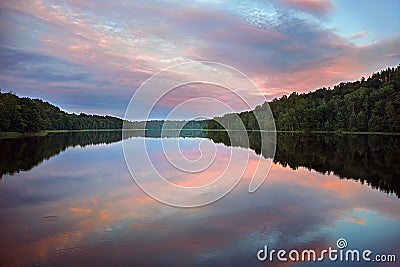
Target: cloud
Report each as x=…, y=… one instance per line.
x=40, y=66
x=358, y=35
x=84, y=49
x=315, y=7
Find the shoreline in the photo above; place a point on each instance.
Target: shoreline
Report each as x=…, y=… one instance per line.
x=44, y=133
x=313, y=132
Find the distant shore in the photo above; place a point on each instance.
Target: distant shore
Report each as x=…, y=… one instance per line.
x=44, y=133
x=314, y=132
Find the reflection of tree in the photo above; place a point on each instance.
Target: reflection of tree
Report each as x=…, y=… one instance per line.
x=371, y=159
x=22, y=154
x=247, y=139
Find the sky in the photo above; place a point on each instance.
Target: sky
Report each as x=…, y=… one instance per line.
x=92, y=56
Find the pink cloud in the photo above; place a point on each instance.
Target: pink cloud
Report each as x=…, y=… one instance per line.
x=360, y=221
x=392, y=55
x=120, y=54
x=358, y=35
x=317, y=7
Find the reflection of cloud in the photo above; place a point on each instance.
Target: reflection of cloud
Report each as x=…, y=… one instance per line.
x=101, y=212
x=80, y=209
x=360, y=221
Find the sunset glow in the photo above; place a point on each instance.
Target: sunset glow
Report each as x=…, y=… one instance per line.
x=91, y=56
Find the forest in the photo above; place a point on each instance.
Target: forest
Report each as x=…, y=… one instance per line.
x=366, y=105
x=22, y=114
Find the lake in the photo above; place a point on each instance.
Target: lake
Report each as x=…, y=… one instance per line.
x=68, y=199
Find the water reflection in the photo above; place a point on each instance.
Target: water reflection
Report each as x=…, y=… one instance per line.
x=23, y=154
x=371, y=159
x=82, y=208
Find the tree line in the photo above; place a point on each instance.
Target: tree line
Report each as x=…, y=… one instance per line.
x=371, y=104
x=23, y=114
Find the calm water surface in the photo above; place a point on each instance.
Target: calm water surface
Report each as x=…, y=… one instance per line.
x=69, y=200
